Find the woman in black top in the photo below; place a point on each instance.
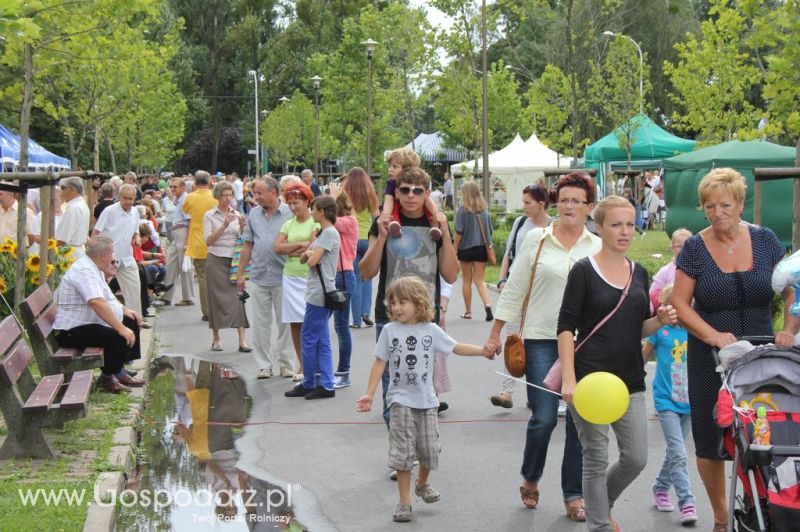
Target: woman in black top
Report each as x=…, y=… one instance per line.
x=594, y=288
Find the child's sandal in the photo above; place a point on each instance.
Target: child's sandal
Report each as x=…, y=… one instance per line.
x=466, y=316
x=402, y=513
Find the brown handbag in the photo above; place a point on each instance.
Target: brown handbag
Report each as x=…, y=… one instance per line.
x=491, y=256
x=514, y=349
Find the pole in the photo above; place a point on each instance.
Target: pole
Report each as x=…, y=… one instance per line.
x=316, y=147
x=796, y=204
x=258, y=154
x=484, y=90
x=369, y=113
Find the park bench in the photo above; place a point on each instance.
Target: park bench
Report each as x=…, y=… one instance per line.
x=38, y=316
x=28, y=406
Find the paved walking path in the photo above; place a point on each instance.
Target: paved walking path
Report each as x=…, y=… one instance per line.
x=340, y=463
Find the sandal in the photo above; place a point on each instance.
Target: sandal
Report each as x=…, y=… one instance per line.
x=614, y=525
x=575, y=510
x=720, y=527
x=402, y=513
x=466, y=316
x=530, y=497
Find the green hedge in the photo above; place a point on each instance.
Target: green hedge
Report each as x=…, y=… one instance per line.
x=499, y=239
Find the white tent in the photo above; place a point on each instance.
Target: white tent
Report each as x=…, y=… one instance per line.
x=513, y=167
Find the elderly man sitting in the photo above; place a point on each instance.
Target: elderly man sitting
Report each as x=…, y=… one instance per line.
x=89, y=315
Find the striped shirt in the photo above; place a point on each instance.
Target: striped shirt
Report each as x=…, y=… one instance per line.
x=222, y=246
x=83, y=282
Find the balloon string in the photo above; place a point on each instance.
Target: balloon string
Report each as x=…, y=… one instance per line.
x=523, y=381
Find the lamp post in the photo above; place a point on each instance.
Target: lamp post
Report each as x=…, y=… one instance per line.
x=485, y=98
x=641, y=66
x=255, y=85
x=370, y=44
x=316, y=80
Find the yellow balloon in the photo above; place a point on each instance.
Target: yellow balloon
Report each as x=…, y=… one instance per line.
x=601, y=398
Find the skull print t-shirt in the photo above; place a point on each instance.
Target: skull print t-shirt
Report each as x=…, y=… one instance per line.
x=409, y=350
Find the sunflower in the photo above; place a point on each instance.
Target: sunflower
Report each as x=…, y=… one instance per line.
x=52, y=244
x=3, y=286
x=32, y=264
x=8, y=241
x=50, y=269
x=5, y=248
x=35, y=280
x=67, y=251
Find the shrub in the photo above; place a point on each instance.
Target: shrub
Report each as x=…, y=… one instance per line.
x=499, y=239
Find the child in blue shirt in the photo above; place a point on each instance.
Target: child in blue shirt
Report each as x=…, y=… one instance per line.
x=671, y=398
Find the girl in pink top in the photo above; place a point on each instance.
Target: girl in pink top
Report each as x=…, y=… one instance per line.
x=347, y=226
x=666, y=275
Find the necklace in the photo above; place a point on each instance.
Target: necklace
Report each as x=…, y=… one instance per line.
x=731, y=248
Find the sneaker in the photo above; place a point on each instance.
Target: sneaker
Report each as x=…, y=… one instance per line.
x=436, y=234
x=393, y=475
x=298, y=377
x=321, y=393
x=341, y=380
x=355, y=325
x=395, y=231
x=688, y=514
x=662, y=501
x=264, y=373
x=427, y=493
x=287, y=373
x=368, y=322
x=298, y=391
x=402, y=513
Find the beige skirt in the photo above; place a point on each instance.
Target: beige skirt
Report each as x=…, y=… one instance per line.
x=225, y=311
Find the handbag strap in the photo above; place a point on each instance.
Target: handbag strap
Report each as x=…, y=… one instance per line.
x=321, y=280
x=530, y=284
x=610, y=314
x=480, y=226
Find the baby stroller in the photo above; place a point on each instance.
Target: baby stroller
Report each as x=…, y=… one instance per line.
x=767, y=375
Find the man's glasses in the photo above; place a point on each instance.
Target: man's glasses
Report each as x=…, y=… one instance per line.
x=417, y=191
x=572, y=201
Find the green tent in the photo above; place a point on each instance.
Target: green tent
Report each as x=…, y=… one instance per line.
x=684, y=172
x=651, y=143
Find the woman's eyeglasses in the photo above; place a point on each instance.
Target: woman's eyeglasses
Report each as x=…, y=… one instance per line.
x=572, y=201
x=417, y=191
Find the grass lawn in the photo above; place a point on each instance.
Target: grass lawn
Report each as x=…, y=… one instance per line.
x=642, y=251
x=82, y=448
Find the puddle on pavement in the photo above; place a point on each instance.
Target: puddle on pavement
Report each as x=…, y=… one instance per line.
x=186, y=478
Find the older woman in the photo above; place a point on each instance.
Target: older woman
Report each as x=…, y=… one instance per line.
x=727, y=269
x=293, y=240
x=222, y=226
x=553, y=250
x=473, y=231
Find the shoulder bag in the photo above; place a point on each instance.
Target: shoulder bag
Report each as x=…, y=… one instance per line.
x=553, y=378
x=491, y=256
x=514, y=348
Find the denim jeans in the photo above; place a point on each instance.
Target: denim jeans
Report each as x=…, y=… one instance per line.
x=602, y=484
x=361, y=302
x=317, y=355
x=541, y=355
x=385, y=377
x=341, y=321
x=675, y=469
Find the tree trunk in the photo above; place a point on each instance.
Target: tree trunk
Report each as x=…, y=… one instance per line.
x=24, y=135
x=96, y=150
x=111, y=156
x=573, y=82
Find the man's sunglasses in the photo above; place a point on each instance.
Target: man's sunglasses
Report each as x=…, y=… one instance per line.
x=417, y=191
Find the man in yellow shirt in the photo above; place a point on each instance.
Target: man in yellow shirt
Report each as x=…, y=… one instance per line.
x=195, y=206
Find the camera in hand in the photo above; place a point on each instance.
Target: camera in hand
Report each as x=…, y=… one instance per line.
x=243, y=295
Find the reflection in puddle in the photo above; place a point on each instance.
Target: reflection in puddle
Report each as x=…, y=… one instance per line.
x=187, y=477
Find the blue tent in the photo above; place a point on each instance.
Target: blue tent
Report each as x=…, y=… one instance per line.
x=38, y=158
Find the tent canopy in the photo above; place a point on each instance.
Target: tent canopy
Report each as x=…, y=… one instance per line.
x=651, y=142
x=682, y=175
x=38, y=157
x=431, y=148
x=513, y=167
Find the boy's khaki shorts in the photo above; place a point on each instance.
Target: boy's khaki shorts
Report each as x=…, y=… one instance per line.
x=413, y=435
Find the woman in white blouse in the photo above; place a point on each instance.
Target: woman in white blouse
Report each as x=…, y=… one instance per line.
x=222, y=226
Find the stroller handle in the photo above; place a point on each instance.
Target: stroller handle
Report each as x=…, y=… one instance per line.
x=755, y=340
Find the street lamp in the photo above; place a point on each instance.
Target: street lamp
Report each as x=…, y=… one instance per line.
x=255, y=85
x=283, y=99
x=485, y=98
x=316, y=80
x=641, y=66
x=521, y=70
x=370, y=44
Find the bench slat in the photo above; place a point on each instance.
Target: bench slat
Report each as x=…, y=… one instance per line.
x=44, y=323
x=65, y=354
x=38, y=300
x=93, y=352
x=9, y=332
x=14, y=364
x=44, y=394
x=78, y=390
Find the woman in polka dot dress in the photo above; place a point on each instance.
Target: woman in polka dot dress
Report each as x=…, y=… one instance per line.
x=726, y=269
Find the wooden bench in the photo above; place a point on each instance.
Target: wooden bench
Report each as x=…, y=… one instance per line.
x=28, y=406
x=38, y=316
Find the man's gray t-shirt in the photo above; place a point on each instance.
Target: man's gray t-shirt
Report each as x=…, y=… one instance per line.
x=266, y=266
x=409, y=350
x=328, y=240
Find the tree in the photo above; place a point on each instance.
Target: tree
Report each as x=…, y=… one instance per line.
x=547, y=112
x=290, y=132
x=713, y=78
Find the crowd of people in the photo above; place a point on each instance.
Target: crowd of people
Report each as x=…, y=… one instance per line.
x=301, y=253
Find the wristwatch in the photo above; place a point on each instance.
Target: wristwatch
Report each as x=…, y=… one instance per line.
x=501, y=281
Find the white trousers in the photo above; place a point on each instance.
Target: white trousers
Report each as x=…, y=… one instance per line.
x=265, y=305
x=174, y=266
x=128, y=279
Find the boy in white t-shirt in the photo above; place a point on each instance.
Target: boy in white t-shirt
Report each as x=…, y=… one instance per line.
x=410, y=343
